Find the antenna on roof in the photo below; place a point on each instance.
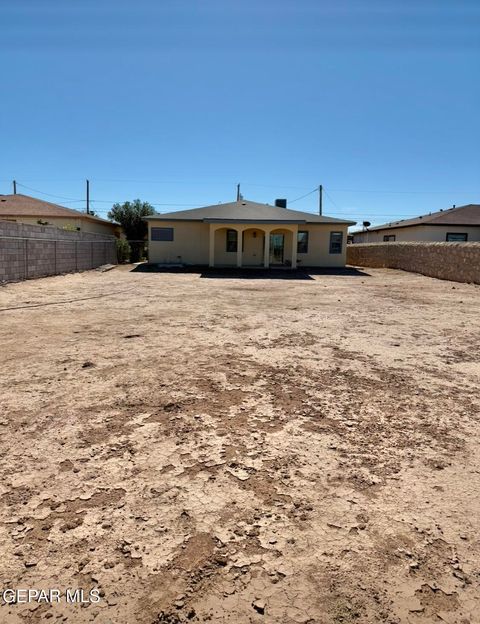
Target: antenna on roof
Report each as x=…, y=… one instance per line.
x=88, y=197
x=320, y=199
x=14, y=187
x=239, y=195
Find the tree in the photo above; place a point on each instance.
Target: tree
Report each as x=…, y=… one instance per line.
x=131, y=215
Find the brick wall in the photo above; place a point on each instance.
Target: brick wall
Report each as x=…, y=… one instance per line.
x=459, y=262
x=28, y=251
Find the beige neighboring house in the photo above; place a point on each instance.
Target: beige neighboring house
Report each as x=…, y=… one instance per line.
x=460, y=224
x=25, y=209
x=247, y=234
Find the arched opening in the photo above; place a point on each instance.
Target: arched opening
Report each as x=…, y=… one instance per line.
x=281, y=247
x=253, y=242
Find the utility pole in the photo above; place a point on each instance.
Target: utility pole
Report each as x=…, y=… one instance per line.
x=320, y=199
x=14, y=187
x=238, y=192
x=88, y=197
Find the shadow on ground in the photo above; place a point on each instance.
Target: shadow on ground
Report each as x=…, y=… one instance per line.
x=229, y=273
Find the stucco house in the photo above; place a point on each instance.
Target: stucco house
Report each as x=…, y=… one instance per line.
x=26, y=209
x=460, y=224
x=247, y=234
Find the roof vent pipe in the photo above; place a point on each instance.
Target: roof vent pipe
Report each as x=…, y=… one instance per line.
x=281, y=203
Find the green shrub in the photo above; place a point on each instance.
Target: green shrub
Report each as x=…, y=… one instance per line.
x=123, y=251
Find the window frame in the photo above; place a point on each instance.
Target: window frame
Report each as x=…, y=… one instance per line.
x=156, y=231
x=305, y=242
x=389, y=238
x=465, y=240
x=231, y=246
x=332, y=247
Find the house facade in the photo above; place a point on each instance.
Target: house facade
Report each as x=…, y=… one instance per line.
x=247, y=234
x=25, y=209
x=460, y=224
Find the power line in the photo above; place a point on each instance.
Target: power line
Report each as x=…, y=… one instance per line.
x=330, y=198
x=72, y=199
x=111, y=201
x=402, y=192
x=315, y=190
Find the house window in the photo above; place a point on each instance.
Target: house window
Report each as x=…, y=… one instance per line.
x=336, y=242
x=302, y=242
x=454, y=237
x=162, y=234
x=389, y=238
x=232, y=240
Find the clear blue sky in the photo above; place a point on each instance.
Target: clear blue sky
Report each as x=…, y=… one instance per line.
x=175, y=101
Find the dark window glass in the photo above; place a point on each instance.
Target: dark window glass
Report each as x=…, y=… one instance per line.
x=389, y=238
x=302, y=242
x=162, y=234
x=231, y=240
x=336, y=242
x=454, y=237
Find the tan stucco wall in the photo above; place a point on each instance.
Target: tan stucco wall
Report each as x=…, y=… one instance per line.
x=100, y=228
x=459, y=262
x=85, y=225
x=222, y=256
x=429, y=233
x=191, y=244
x=319, y=246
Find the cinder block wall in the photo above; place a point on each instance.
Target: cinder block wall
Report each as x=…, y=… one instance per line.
x=28, y=251
x=459, y=262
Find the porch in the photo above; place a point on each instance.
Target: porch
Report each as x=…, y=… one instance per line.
x=247, y=246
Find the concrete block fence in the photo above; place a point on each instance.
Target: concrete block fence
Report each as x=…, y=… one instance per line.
x=459, y=262
x=28, y=251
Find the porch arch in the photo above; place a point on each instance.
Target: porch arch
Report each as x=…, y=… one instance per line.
x=250, y=235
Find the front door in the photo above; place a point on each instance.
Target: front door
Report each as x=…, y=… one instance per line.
x=277, y=244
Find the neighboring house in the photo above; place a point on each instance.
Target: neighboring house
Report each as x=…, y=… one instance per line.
x=247, y=234
x=25, y=209
x=455, y=225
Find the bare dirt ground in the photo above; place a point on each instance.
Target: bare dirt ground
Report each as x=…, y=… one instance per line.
x=236, y=450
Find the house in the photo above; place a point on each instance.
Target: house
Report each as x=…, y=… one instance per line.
x=247, y=234
x=25, y=209
x=455, y=225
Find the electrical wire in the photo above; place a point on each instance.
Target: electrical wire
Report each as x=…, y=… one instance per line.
x=72, y=199
x=403, y=192
x=315, y=190
x=339, y=211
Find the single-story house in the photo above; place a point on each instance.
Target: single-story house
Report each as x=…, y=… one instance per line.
x=25, y=209
x=247, y=234
x=454, y=224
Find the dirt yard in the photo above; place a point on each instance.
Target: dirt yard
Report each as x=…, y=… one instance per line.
x=211, y=449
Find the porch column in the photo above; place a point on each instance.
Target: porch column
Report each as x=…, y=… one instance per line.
x=266, y=250
x=211, y=247
x=239, y=248
x=294, y=248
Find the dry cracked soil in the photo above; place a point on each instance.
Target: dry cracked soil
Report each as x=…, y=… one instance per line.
x=241, y=449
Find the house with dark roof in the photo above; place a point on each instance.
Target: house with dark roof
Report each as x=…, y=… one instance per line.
x=26, y=209
x=247, y=234
x=457, y=224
